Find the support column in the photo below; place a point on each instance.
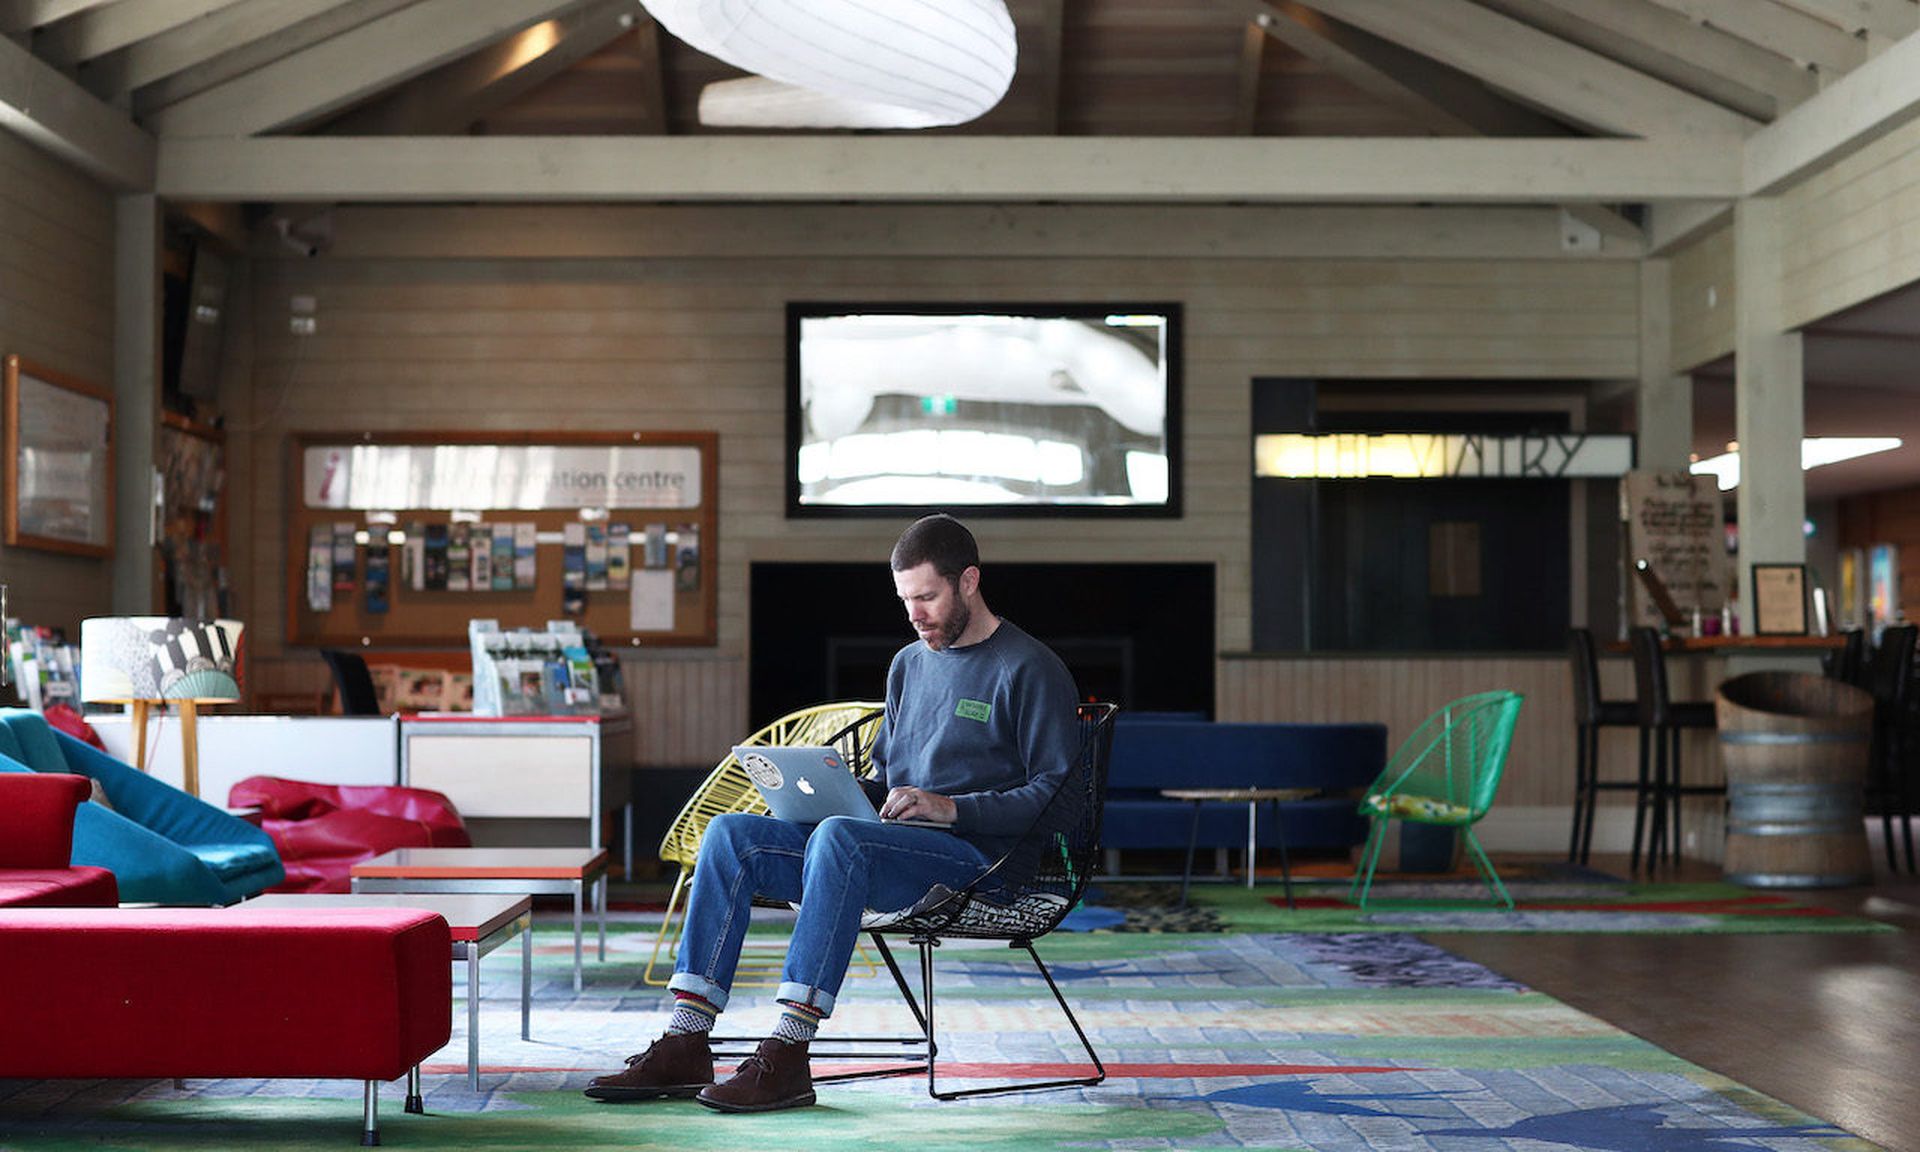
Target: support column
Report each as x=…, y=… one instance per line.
x=1664, y=408
x=136, y=397
x=1769, y=399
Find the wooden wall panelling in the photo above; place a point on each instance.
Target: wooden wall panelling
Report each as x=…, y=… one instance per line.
x=1853, y=230
x=1702, y=300
x=439, y=338
x=56, y=308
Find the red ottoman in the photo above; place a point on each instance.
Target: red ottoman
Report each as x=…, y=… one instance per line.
x=360, y=994
x=323, y=830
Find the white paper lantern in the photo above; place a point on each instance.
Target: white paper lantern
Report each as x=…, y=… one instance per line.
x=849, y=63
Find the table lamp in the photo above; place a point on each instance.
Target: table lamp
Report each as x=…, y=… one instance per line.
x=144, y=660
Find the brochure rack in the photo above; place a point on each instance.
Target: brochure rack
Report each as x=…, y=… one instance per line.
x=399, y=539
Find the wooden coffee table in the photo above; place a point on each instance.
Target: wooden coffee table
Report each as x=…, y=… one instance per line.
x=480, y=923
x=529, y=871
x=1252, y=798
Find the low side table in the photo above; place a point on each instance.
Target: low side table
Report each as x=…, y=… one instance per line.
x=527, y=871
x=479, y=923
x=1252, y=798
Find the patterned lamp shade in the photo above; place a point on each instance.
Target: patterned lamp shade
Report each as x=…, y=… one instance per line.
x=126, y=658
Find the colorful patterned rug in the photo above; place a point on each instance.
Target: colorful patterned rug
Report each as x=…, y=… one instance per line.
x=1458, y=906
x=1337, y=1042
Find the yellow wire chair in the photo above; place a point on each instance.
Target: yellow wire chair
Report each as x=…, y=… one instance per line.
x=850, y=726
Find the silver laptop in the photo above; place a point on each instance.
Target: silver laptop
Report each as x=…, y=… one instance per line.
x=806, y=785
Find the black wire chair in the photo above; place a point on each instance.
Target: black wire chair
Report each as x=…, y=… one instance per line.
x=1022, y=897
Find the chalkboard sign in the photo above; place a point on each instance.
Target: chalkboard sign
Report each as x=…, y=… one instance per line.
x=1674, y=522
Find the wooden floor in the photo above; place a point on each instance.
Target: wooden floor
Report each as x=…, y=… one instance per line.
x=1827, y=1023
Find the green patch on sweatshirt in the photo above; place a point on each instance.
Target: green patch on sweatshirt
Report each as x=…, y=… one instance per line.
x=974, y=710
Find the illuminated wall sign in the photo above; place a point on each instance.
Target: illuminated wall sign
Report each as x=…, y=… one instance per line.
x=1433, y=455
x=500, y=476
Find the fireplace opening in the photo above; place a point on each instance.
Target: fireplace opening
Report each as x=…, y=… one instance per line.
x=1140, y=635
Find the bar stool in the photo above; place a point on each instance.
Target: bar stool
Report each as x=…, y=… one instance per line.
x=1661, y=723
x=1590, y=714
x=1888, y=675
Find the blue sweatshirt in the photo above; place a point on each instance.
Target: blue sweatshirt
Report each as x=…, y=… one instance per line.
x=990, y=726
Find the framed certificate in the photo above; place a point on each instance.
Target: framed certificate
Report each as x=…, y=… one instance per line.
x=1780, y=599
x=59, y=461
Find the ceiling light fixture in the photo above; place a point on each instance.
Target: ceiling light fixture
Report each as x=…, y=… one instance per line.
x=848, y=63
x=1815, y=451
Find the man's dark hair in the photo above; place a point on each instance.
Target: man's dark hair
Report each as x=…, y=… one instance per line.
x=939, y=539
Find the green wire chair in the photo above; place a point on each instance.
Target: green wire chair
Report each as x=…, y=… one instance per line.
x=1446, y=774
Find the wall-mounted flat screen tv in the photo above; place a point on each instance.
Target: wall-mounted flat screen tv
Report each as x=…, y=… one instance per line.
x=983, y=409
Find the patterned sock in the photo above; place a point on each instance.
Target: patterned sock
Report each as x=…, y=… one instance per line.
x=797, y=1024
x=690, y=1014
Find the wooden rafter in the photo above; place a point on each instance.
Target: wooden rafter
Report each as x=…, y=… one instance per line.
x=308, y=86
x=1581, y=86
x=1780, y=30
x=1699, y=46
x=115, y=75
x=1655, y=54
x=18, y=16
x=1891, y=19
x=1045, y=50
x=99, y=31
x=454, y=96
x=1880, y=96
x=1253, y=62
x=653, y=76
x=1444, y=101
x=42, y=106
x=311, y=22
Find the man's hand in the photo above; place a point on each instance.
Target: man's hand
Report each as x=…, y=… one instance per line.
x=918, y=804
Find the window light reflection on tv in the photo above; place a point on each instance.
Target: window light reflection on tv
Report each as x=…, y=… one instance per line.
x=1069, y=409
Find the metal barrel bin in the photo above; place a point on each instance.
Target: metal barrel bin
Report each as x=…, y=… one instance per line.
x=1795, y=751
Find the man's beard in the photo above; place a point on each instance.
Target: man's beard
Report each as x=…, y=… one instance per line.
x=955, y=625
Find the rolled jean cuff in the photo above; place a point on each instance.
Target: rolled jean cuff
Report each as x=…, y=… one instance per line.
x=821, y=1002
x=699, y=986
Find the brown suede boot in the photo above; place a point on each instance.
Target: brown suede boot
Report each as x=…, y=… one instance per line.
x=676, y=1066
x=775, y=1077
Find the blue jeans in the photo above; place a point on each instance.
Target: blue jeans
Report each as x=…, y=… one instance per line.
x=844, y=868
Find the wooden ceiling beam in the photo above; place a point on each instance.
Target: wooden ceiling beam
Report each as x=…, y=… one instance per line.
x=1444, y=101
x=312, y=22
x=98, y=31
x=949, y=168
x=1891, y=19
x=1780, y=30
x=1253, y=62
x=114, y=76
x=1046, y=48
x=1878, y=97
x=653, y=77
x=17, y=16
x=334, y=74
x=40, y=105
x=1655, y=52
x=1545, y=71
x=452, y=97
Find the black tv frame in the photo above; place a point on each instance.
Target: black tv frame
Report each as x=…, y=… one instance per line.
x=1067, y=310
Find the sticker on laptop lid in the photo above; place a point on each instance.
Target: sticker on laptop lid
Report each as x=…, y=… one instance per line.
x=762, y=771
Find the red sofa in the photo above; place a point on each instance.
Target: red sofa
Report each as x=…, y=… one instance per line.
x=36, y=845
x=322, y=830
x=354, y=993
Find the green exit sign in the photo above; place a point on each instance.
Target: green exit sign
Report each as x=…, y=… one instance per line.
x=938, y=405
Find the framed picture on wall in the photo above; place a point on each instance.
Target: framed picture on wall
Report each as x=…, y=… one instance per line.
x=1780, y=599
x=59, y=461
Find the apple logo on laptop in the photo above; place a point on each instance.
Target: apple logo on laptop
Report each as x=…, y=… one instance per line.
x=804, y=785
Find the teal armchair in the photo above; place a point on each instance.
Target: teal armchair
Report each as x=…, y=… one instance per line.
x=162, y=845
x=1446, y=774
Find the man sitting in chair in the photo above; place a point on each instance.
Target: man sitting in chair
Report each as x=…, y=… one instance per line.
x=979, y=733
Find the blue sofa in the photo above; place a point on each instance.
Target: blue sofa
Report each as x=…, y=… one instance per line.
x=162, y=845
x=1169, y=750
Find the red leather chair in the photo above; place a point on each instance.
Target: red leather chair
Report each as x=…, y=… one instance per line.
x=322, y=830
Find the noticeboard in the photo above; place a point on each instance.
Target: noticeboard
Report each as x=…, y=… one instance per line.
x=399, y=539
